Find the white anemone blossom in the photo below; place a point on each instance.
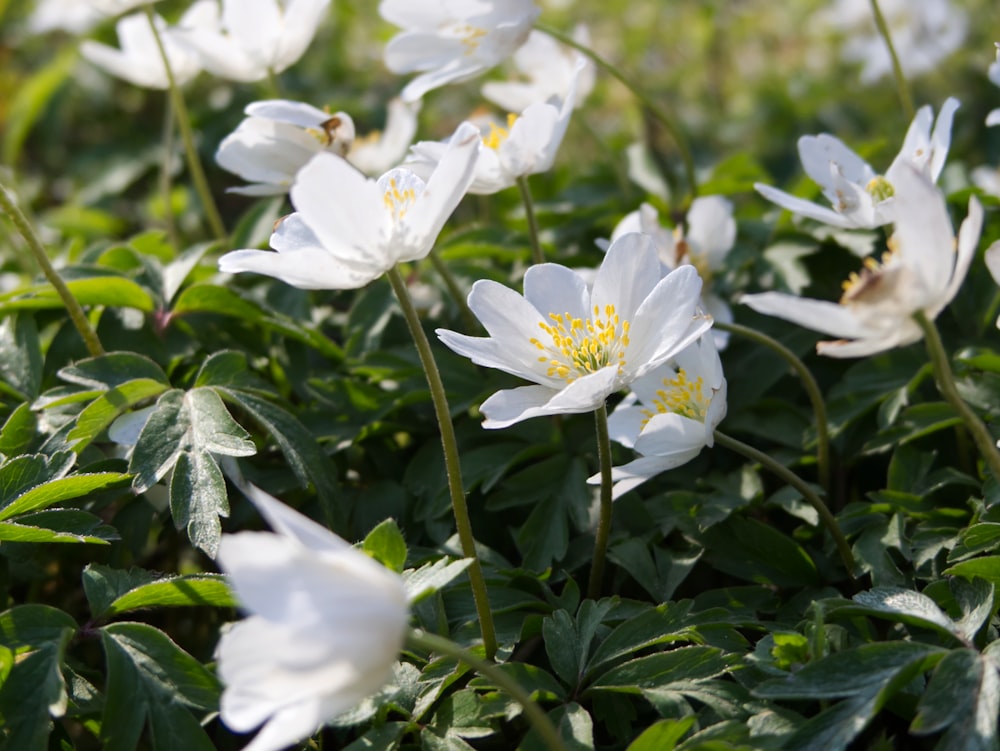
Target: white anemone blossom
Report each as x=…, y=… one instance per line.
x=993, y=118
x=922, y=271
x=453, y=41
x=579, y=345
x=379, y=151
x=670, y=415
x=112, y=7
x=252, y=39
x=325, y=627
x=71, y=16
x=348, y=229
x=861, y=197
x=704, y=241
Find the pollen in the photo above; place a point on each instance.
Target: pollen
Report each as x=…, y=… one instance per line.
x=680, y=396
x=498, y=135
x=868, y=278
x=880, y=189
x=470, y=36
x=398, y=201
x=573, y=347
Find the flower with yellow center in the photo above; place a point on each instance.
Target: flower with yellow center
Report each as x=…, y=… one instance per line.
x=580, y=345
x=925, y=266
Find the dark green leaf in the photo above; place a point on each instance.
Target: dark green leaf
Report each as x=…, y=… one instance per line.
x=987, y=567
x=963, y=696
x=539, y=684
x=19, y=430
x=753, y=551
x=662, y=669
x=198, y=498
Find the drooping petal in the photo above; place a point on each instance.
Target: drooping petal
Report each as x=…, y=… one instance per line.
x=585, y=394
x=803, y=207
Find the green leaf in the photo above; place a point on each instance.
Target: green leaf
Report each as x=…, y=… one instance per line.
x=544, y=536
x=978, y=538
x=431, y=577
x=31, y=97
x=111, y=291
x=176, y=591
x=229, y=369
x=662, y=669
x=24, y=472
x=19, y=430
x=662, y=736
x=26, y=626
x=575, y=726
x=975, y=599
x=903, y=606
x=658, y=625
x=656, y=571
x=963, y=695
x=386, y=545
x=987, y=567
x=539, y=683
x=198, y=498
x=21, y=355
x=34, y=691
x=113, y=369
x=100, y=413
x=753, y=551
x=382, y=738
x=63, y=489
x=102, y=585
x=59, y=525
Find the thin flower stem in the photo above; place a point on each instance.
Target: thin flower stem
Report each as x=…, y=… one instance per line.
x=453, y=466
x=184, y=123
x=421, y=640
x=469, y=320
x=647, y=101
x=808, y=383
x=273, y=84
x=166, y=183
x=897, y=70
x=829, y=521
x=946, y=385
x=607, y=504
x=529, y=211
x=73, y=307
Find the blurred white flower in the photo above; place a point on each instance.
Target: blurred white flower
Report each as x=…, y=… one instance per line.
x=348, y=229
x=580, y=345
x=924, y=32
x=992, y=258
x=453, y=41
x=71, y=16
x=861, y=197
x=550, y=69
x=704, y=242
x=670, y=415
x=993, y=118
x=325, y=627
x=113, y=7
x=379, y=151
x=922, y=271
x=644, y=172
x=252, y=39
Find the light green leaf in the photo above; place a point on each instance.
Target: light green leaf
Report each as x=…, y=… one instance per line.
x=100, y=413
x=63, y=489
x=198, y=497
x=987, y=567
x=111, y=291
x=113, y=369
x=386, y=545
x=176, y=591
x=662, y=736
x=431, y=577
x=59, y=525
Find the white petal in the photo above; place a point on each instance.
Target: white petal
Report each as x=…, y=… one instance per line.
x=801, y=206
x=711, y=229
x=552, y=288
x=514, y=405
x=625, y=423
x=968, y=241
x=992, y=258
x=286, y=111
x=817, y=152
x=628, y=274
x=301, y=20
x=924, y=234
x=667, y=321
x=818, y=315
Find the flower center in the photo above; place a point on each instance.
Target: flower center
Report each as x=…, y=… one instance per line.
x=396, y=200
x=863, y=282
x=680, y=396
x=580, y=347
x=470, y=36
x=880, y=189
x=498, y=135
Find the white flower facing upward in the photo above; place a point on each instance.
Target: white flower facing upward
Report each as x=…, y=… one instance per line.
x=252, y=39
x=993, y=118
x=579, y=345
x=325, y=627
x=704, y=243
x=550, y=70
x=348, y=229
x=861, y=197
x=922, y=271
x=453, y=41
x=670, y=415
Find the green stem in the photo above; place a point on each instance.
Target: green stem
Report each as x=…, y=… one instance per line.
x=421, y=640
x=166, y=183
x=897, y=70
x=808, y=383
x=73, y=307
x=789, y=477
x=529, y=211
x=647, y=101
x=607, y=504
x=946, y=385
x=184, y=123
x=470, y=322
x=274, y=84
x=452, y=464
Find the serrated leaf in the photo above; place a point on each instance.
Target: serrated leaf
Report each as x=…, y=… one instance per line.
x=59, y=525
x=229, y=369
x=382, y=738
x=34, y=691
x=113, y=369
x=575, y=727
x=431, y=577
x=904, y=606
x=755, y=552
x=963, y=695
x=24, y=472
x=975, y=599
x=386, y=545
x=538, y=683
x=198, y=498
x=19, y=430
x=63, y=489
x=662, y=669
x=102, y=585
x=987, y=567
x=655, y=626
x=101, y=412
x=26, y=626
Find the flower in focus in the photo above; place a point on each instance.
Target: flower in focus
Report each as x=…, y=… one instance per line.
x=551, y=69
x=922, y=270
x=454, y=41
x=325, y=627
x=993, y=118
x=923, y=33
x=348, y=229
x=579, y=345
x=253, y=39
x=862, y=198
x=670, y=415
x=704, y=242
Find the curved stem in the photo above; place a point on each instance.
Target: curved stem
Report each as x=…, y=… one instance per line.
x=529, y=210
x=607, y=504
x=73, y=307
x=451, y=461
x=184, y=123
x=897, y=70
x=789, y=477
x=808, y=383
x=469, y=320
x=946, y=385
x=647, y=101
x=540, y=721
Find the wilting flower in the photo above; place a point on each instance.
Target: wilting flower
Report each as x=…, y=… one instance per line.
x=922, y=271
x=454, y=41
x=325, y=627
x=704, y=242
x=253, y=39
x=550, y=69
x=860, y=196
x=348, y=229
x=525, y=145
x=579, y=345
x=670, y=415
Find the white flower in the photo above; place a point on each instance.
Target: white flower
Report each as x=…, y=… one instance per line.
x=993, y=118
x=348, y=229
x=922, y=271
x=325, y=627
x=453, y=41
x=580, y=346
x=256, y=38
x=72, y=16
x=671, y=414
x=862, y=198
x=550, y=68
x=709, y=236
x=379, y=151
x=112, y=7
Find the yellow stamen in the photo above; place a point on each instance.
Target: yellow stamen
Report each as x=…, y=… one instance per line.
x=574, y=347
x=398, y=201
x=498, y=135
x=880, y=189
x=680, y=396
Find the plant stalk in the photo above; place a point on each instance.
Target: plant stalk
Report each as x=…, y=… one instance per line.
x=897, y=69
x=607, y=504
x=469, y=321
x=537, y=256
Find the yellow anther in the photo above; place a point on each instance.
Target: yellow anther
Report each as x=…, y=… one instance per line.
x=680, y=396
x=579, y=346
x=879, y=188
